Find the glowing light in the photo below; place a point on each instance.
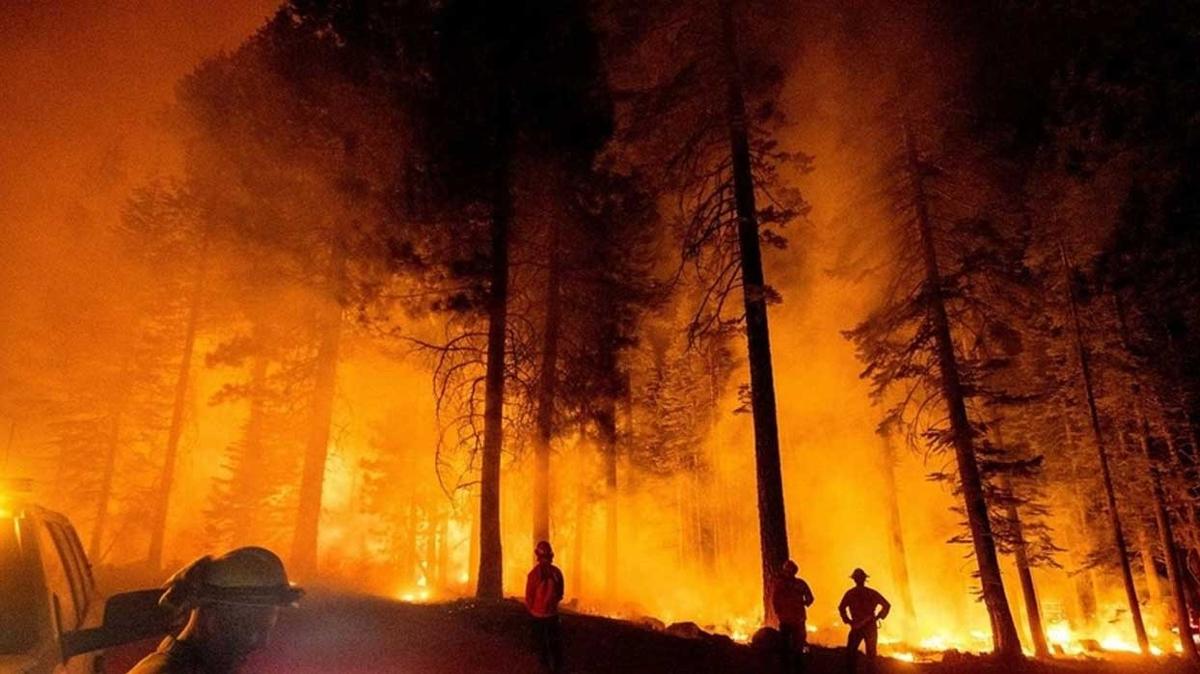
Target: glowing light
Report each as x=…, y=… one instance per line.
x=1059, y=633
x=936, y=642
x=741, y=629
x=904, y=657
x=464, y=577
x=1117, y=644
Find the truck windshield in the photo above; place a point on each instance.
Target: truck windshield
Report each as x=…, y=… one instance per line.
x=19, y=579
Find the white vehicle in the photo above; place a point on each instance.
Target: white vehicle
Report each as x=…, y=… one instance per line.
x=46, y=592
x=52, y=618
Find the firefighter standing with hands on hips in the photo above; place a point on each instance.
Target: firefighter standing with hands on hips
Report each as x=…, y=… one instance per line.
x=858, y=610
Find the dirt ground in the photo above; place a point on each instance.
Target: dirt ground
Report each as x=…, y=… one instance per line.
x=358, y=634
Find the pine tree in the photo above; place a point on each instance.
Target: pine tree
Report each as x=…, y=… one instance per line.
x=949, y=258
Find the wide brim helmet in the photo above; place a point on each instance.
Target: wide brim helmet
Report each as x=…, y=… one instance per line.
x=249, y=576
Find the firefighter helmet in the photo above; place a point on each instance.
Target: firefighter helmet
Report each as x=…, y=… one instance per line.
x=249, y=576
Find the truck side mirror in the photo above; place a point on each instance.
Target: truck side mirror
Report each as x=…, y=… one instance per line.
x=128, y=617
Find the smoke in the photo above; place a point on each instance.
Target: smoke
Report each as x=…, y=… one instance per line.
x=84, y=86
x=82, y=124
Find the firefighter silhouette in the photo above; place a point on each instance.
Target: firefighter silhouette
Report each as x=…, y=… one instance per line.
x=233, y=602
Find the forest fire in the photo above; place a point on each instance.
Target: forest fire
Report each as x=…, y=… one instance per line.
x=797, y=323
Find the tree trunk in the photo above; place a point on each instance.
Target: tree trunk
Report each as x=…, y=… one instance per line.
x=491, y=556
x=610, y=448
x=1085, y=586
x=158, y=528
x=243, y=527
x=547, y=383
x=1167, y=539
x=581, y=514
x=473, y=541
x=1085, y=369
x=95, y=549
x=1004, y=631
x=429, y=568
x=1028, y=590
x=899, y=559
x=316, y=452
x=1146, y=549
x=772, y=519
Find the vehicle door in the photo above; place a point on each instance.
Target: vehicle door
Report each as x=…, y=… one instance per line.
x=27, y=641
x=69, y=596
x=87, y=600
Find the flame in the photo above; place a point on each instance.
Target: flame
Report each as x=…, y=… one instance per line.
x=936, y=642
x=419, y=596
x=1118, y=645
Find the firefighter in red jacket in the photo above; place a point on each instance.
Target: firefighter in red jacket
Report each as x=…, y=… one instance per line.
x=791, y=598
x=543, y=592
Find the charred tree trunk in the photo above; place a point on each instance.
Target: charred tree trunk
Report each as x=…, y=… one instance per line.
x=1004, y=631
x=158, y=527
x=490, y=583
x=899, y=559
x=316, y=452
x=95, y=549
x=772, y=519
x=547, y=383
x=1085, y=369
x=1028, y=590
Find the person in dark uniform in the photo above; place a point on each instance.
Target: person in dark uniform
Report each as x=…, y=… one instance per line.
x=543, y=591
x=791, y=598
x=858, y=610
x=233, y=602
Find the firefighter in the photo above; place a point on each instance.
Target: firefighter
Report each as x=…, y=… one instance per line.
x=791, y=598
x=543, y=592
x=232, y=602
x=858, y=610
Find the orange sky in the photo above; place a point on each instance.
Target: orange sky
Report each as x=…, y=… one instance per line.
x=81, y=85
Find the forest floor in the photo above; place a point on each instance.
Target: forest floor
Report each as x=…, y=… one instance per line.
x=359, y=634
